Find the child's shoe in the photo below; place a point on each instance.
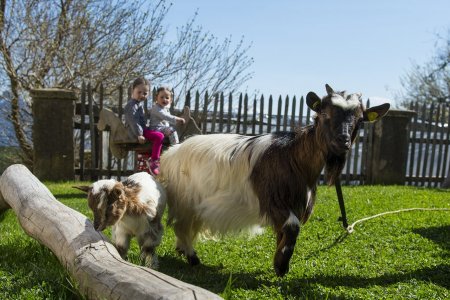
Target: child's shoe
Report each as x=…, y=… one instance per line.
x=153, y=166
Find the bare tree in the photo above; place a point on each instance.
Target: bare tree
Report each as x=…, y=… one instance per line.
x=430, y=82
x=60, y=43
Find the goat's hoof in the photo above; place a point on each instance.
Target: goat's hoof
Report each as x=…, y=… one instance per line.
x=281, y=271
x=281, y=268
x=193, y=260
x=151, y=262
x=179, y=251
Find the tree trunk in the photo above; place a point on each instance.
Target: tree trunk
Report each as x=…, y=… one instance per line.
x=15, y=86
x=87, y=254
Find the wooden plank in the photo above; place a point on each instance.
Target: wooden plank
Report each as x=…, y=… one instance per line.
x=87, y=255
x=245, y=114
x=412, y=143
x=300, y=114
x=308, y=116
x=205, y=113
x=261, y=114
x=424, y=179
x=363, y=169
x=230, y=112
x=197, y=107
x=278, y=126
x=427, y=144
x=120, y=110
x=254, y=117
x=269, y=115
x=419, y=155
x=187, y=99
x=441, y=142
x=239, y=114
x=446, y=141
x=356, y=157
x=100, y=134
x=433, y=142
x=214, y=116
x=286, y=113
x=293, y=117
x=221, y=112
x=82, y=129
x=92, y=129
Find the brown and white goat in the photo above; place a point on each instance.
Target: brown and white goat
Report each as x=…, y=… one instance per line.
x=226, y=182
x=133, y=207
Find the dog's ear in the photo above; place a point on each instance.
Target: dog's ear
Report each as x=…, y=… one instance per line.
x=84, y=188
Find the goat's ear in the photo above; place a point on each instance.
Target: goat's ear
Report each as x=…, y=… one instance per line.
x=377, y=112
x=83, y=188
x=116, y=193
x=313, y=101
x=330, y=91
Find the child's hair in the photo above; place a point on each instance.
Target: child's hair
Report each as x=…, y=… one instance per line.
x=163, y=88
x=139, y=81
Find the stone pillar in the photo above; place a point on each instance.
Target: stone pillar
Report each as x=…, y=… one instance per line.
x=390, y=147
x=53, y=144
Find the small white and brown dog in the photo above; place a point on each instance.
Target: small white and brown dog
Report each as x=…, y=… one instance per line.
x=133, y=207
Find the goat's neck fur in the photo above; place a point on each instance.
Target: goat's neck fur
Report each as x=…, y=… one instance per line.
x=311, y=152
x=332, y=162
x=133, y=206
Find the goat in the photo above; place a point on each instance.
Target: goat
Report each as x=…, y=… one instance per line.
x=226, y=182
x=133, y=207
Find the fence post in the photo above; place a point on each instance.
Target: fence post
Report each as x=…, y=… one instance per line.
x=53, y=145
x=390, y=147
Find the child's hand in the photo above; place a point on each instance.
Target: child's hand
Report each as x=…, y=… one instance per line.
x=181, y=120
x=141, y=139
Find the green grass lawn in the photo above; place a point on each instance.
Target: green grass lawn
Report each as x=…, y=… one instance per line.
x=401, y=256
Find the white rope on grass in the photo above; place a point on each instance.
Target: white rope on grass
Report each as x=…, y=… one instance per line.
x=350, y=228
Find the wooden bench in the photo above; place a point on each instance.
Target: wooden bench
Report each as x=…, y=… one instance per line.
x=120, y=143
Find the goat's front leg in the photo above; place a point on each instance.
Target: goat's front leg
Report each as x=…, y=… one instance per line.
x=121, y=240
x=148, y=242
x=286, y=238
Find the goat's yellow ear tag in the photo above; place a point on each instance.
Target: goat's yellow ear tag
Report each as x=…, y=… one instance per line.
x=372, y=116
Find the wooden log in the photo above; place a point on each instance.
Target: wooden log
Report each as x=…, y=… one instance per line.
x=87, y=254
x=3, y=205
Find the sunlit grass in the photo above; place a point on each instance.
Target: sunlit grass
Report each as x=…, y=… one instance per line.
x=397, y=256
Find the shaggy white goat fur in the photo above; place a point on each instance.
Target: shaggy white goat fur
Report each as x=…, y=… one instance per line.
x=200, y=193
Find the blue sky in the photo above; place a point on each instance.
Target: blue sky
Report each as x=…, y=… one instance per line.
x=298, y=46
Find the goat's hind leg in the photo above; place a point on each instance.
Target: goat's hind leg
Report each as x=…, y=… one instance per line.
x=286, y=238
x=186, y=232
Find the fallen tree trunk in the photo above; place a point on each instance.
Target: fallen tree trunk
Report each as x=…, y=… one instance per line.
x=87, y=254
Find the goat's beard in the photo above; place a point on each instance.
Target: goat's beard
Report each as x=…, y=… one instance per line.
x=333, y=167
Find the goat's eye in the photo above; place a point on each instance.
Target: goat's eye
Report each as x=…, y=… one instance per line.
x=325, y=115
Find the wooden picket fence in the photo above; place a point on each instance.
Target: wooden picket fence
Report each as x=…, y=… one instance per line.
x=429, y=156
x=428, y=161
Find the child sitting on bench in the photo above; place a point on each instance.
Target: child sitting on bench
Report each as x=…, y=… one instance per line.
x=160, y=117
x=135, y=122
